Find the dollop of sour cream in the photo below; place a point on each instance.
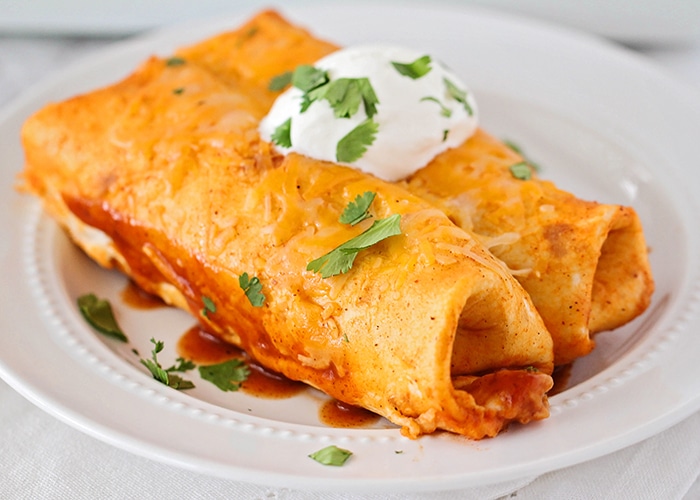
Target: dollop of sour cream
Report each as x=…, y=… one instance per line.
x=422, y=109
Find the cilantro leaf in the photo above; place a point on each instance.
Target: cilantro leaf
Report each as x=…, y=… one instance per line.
x=98, y=313
x=282, y=136
x=521, y=170
x=355, y=143
x=307, y=78
x=331, y=455
x=458, y=95
x=252, y=288
x=209, y=306
x=358, y=210
x=183, y=365
x=174, y=61
x=345, y=96
x=444, y=110
x=340, y=259
x=416, y=69
x=279, y=82
x=160, y=374
x=369, y=98
x=227, y=376
x=536, y=167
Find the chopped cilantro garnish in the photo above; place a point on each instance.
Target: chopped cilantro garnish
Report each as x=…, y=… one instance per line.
x=227, y=376
x=282, y=134
x=183, y=365
x=358, y=210
x=178, y=90
x=209, y=306
x=252, y=288
x=306, y=78
x=345, y=96
x=279, y=82
x=160, y=374
x=520, y=151
x=331, y=455
x=458, y=95
x=98, y=313
x=444, y=110
x=355, y=143
x=340, y=259
x=416, y=69
x=521, y=170
x=174, y=61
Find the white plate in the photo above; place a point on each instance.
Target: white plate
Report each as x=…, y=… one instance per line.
x=600, y=121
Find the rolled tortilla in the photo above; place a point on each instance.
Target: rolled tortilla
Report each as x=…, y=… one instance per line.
x=164, y=177
x=584, y=264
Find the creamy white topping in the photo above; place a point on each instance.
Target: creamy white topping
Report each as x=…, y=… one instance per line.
x=416, y=118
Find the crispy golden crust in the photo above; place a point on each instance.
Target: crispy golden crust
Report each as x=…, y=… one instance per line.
x=168, y=168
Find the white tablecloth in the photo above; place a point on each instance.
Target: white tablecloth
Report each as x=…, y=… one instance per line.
x=41, y=457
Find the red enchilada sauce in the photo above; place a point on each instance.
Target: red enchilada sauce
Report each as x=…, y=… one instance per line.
x=200, y=346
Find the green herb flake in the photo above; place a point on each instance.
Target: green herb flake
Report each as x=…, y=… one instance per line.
x=416, y=69
x=458, y=95
x=162, y=375
x=209, y=306
x=351, y=147
x=227, y=376
x=307, y=78
x=183, y=365
x=282, y=136
x=252, y=289
x=174, y=61
x=341, y=259
x=279, y=82
x=331, y=455
x=98, y=313
x=517, y=149
x=444, y=110
x=521, y=170
x=178, y=91
x=345, y=95
x=358, y=210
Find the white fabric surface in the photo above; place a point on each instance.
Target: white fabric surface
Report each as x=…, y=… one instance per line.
x=44, y=458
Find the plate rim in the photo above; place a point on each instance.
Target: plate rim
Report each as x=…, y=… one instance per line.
x=54, y=407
